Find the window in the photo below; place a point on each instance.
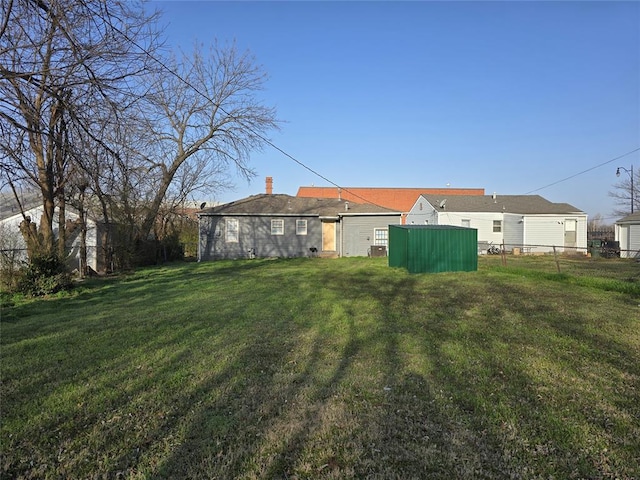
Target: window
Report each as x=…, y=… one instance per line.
x=380, y=236
x=497, y=226
x=277, y=227
x=466, y=222
x=232, y=229
x=301, y=227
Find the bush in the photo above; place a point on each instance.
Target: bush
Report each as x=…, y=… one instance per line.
x=10, y=277
x=12, y=259
x=154, y=252
x=171, y=249
x=45, y=274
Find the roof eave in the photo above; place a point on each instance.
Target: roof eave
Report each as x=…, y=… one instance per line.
x=232, y=214
x=369, y=214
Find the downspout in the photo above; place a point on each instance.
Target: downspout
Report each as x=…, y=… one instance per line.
x=340, y=254
x=199, y=242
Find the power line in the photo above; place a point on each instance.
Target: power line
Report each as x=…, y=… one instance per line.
x=302, y=164
x=584, y=171
x=248, y=127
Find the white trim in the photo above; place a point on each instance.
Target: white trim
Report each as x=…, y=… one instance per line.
x=301, y=231
x=227, y=223
x=277, y=230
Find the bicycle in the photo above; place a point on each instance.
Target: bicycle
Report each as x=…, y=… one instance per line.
x=494, y=250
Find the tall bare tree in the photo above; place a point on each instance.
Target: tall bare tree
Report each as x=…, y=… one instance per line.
x=60, y=62
x=88, y=108
x=202, y=118
x=624, y=194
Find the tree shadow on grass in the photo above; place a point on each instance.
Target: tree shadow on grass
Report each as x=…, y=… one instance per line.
x=381, y=389
x=482, y=419
x=276, y=423
x=331, y=426
x=523, y=401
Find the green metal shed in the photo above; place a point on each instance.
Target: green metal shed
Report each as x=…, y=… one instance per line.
x=433, y=248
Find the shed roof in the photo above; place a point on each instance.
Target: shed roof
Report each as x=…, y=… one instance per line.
x=431, y=227
x=522, y=204
x=280, y=204
x=631, y=218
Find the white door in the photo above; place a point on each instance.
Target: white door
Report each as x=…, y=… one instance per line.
x=570, y=233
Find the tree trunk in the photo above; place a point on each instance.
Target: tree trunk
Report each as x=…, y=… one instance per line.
x=154, y=208
x=83, y=235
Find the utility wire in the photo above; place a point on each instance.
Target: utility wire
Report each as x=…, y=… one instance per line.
x=248, y=127
x=584, y=171
x=300, y=163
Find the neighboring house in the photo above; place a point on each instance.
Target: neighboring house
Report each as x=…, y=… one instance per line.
x=398, y=199
x=275, y=225
x=627, y=232
x=13, y=241
x=526, y=222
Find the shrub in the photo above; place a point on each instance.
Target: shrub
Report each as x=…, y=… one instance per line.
x=171, y=248
x=45, y=274
x=12, y=259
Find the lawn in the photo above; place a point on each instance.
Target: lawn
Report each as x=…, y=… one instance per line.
x=319, y=368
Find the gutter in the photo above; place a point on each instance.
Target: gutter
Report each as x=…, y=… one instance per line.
x=230, y=214
x=370, y=214
x=199, y=230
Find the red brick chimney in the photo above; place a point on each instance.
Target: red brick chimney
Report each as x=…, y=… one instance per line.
x=269, y=185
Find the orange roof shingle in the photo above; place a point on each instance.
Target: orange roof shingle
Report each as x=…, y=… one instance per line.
x=399, y=199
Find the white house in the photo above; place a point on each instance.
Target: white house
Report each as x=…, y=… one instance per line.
x=528, y=222
x=627, y=232
x=12, y=240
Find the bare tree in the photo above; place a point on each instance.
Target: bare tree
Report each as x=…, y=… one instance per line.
x=594, y=222
x=91, y=115
x=60, y=62
x=623, y=194
x=203, y=118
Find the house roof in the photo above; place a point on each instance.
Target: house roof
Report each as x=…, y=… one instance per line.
x=522, y=204
x=10, y=207
x=631, y=218
x=399, y=199
x=280, y=204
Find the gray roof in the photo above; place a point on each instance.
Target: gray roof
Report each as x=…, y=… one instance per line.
x=279, y=204
x=522, y=204
x=10, y=207
x=631, y=218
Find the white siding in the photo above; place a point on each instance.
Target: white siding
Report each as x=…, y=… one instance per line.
x=513, y=231
x=582, y=234
x=483, y=222
x=622, y=236
x=422, y=213
x=541, y=233
x=629, y=237
x=533, y=232
x=12, y=226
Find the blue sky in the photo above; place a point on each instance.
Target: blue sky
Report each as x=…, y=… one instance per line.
x=505, y=96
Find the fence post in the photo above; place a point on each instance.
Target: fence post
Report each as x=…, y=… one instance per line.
x=555, y=255
x=504, y=255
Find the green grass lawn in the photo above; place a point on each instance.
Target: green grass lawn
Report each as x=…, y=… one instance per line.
x=314, y=368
